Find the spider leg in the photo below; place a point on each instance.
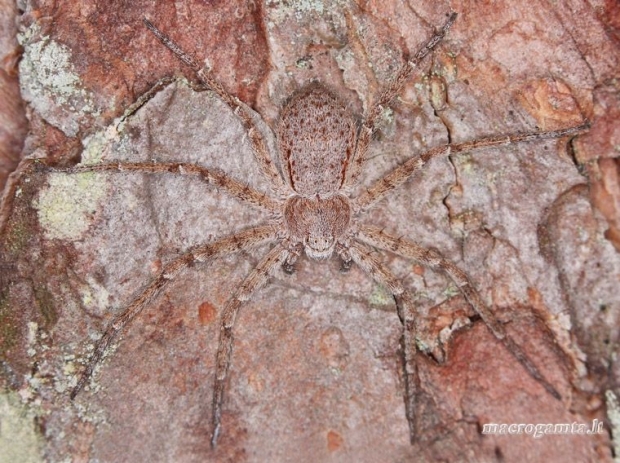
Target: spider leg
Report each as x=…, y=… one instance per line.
x=256, y=138
x=402, y=173
x=377, y=237
x=236, y=189
x=255, y=280
x=380, y=273
x=516, y=138
x=386, y=96
x=145, y=97
x=234, y=243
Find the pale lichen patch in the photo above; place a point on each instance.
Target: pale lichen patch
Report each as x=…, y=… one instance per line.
x=613, y=413
x=280, y=10
x=94, y=296
x=19, y=440
x=64, y=207
x=51, y=85
x=95, y=145
x=380, y=296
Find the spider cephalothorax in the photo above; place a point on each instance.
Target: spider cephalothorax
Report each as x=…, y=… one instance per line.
x=322, y=149
x=317, y=223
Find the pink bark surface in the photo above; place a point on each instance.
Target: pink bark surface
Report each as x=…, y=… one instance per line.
x=317, y=369
x=13, y=123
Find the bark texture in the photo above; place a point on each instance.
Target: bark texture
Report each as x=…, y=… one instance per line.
x=316, y=372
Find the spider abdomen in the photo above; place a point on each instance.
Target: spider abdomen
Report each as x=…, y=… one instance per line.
x=316, y=135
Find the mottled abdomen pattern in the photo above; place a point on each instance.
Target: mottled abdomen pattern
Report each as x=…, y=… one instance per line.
x=316, y=135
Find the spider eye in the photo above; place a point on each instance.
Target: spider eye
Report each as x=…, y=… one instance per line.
x=319, y=246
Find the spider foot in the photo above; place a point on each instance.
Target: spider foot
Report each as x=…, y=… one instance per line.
x=346, y=261
x=294, y=252
x=345, y=265
x=289, y=268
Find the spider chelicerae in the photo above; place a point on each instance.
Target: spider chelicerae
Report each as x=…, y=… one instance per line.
x=322, y=150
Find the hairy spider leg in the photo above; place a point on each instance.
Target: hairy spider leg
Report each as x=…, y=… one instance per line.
x=404, y=302
x=259, y=144
x=255, y=280
x=386, y=96
x=381, y=187
x=241, y=191
x=430, y=258
x=242, y=241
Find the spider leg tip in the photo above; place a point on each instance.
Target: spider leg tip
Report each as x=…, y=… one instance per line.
x=214, y=437
x=150, y=25
x=554, y=393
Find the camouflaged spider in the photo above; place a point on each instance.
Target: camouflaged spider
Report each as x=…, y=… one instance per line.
x=322, y=150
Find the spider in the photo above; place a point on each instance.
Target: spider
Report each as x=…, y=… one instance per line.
x=322, y=150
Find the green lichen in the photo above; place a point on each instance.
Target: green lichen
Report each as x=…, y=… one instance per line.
x=65, y=206
x=451, y=291
x=95, y=145
x=380, y=296
x=19, y=440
